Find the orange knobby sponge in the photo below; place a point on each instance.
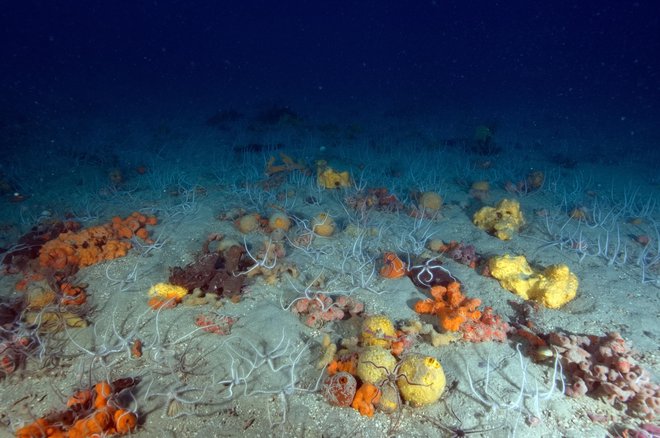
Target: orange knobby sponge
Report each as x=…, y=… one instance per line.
x=366, y=396
x=90, y=412
x=346, y=364
x=79, y=249
x=450, y=306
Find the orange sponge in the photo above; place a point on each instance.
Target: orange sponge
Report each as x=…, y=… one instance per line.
x=90, y=412
x=366, y=397
x=95, y=244
x=450, y=306
x=347, y=364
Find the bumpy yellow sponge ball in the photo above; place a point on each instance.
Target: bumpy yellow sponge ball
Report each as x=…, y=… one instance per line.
x=553, y=287
x=421, y=379
x=168, y=291
x=377, y=330
x=374, y=364
x=502, y=221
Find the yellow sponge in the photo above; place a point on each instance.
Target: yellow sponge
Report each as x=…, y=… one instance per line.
x=168, y=291
x=377, y=330
x=513, y=273
x=552, y=287
x=375, y=364
x=556, y=286
x=502, y=221
x=329, y=178
x=421, y=379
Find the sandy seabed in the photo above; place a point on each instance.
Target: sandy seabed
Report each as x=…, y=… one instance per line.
x=259, y=380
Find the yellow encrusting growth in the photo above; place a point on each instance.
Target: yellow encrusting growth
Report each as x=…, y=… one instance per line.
x=552, y=287
x=329, y=178
x=483, y=186
x=502, y=221
x=168, y=291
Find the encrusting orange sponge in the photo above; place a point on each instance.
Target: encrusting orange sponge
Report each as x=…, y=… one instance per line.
x=91, y=412
x=365, y=397
x=95, y=244
x=450, y=306
x=346, y=364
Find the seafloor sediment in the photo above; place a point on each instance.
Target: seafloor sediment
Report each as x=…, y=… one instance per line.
x=281, y=256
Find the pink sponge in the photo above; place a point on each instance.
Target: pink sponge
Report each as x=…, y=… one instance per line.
x=605, y=366
x=489, y=327
x=322, y=308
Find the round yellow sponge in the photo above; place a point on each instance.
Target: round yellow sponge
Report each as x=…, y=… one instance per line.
x=377, y=330
x=421, y=379
x=375, y=364
x=248, y=223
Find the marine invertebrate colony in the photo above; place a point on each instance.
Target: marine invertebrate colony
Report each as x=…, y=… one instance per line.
x=286, y=164
x=17, y=343
x=377, y=330
x=457, y=251
x=320, y=308
x=553, y=287
x=329, y=178
x=430, y=201
x=421, y=379
x=214, y=271
x=339, y=389
x=488, y=327
x=430, y=272
x=502, y=221
x=323, y=225
x=365, y=398
x=28, y=246
x=451, y=307
x=78, y=249
x=377, y=198
x=417, y=379
x=215, y=323
x=480, y=190
x=96, y=411
x=165, y=294
x=605, y=366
